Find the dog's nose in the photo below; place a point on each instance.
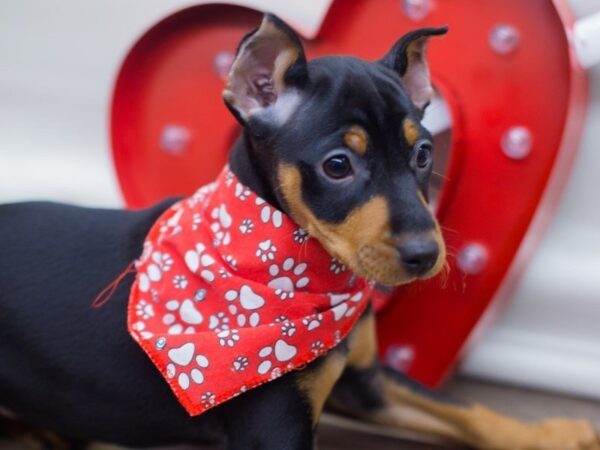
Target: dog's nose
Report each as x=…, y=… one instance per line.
x=418, y=256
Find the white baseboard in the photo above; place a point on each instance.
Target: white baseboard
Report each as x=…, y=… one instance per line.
x=539, y=361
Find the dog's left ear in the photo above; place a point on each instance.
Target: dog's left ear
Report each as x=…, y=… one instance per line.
x=267, y=73
x=408, y=57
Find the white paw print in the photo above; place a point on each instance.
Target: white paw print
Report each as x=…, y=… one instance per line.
x=161, y=262
x=288, y=328
x=196, y=221
x=218, y=321
x=240, y=364
x=269, y=214
x=171, y=225
x=281, y=352
x=188, y=315
x=336, y=266
x=228, y=338
x=312, y=322
x=266, y=251
x=221, y=225
x=300, y=235
x=197, y=259
x=317, y=348
x=241, y=191
x=181, y=360
x=201, y=195
x=343, y=304
x=287, y=278
x=246, y=226
x=231, y=261
x=228, y=178
x=249, y=301
x=140, y=327
x=180, y=281
x=144, y=309
x=208, y=399
x=223, y=273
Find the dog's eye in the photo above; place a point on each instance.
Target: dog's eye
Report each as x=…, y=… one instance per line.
x=423, y=150
x=337, y=167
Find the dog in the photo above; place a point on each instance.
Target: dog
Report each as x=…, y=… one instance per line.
x=337, y=145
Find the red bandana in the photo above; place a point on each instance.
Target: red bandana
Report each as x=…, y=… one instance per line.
x=230, y=294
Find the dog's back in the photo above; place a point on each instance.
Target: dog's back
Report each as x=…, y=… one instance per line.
x=54, y=260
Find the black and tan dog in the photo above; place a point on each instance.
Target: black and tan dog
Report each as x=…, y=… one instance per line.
x=337, y=144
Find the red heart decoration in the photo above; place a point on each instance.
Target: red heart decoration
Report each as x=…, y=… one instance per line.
x=171, y=134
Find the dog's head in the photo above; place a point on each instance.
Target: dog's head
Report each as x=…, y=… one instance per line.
x=341, y=141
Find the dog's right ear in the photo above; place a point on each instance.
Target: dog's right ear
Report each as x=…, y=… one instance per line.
x=267, y=73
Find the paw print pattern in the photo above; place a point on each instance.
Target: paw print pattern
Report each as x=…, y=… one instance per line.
x=300, y=235
x=280, y=352
x=336, y=266
x=180, y=315
x=180, y=282
x=287, y=278
x=266, y=251
x=197, y=259
x=288, y=328
x=140, y=328
x=269, y=214
x=231, y=261
x=221, y=226
x=318, y=348
x=228, y=338
x=171, y=226
x=247, y=226
x=240, y=364
x=223, y=273
x=182, y=361
x=196, y=221
x=224, y=297
x=249, y=301
x=208, y=399
x=344, y=305
x=144, y=309
x=218, y=322
x=312, y=322
x=161, y=262
x=242, y=192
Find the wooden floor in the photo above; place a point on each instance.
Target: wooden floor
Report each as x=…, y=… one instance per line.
x=522, y=403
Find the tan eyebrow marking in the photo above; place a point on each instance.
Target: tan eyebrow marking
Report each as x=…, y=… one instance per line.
x=411, y=132
x=356, y=140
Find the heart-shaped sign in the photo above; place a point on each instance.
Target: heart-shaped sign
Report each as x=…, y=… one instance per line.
x=515, y=95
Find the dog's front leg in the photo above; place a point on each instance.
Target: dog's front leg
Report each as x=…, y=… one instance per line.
x=283, y=414
x=370, y=392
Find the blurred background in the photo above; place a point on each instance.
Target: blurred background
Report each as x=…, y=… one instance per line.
x=59, y=61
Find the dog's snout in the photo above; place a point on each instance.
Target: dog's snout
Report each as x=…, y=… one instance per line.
x=418, y=256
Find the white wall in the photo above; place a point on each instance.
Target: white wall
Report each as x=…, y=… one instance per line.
x=58, y=61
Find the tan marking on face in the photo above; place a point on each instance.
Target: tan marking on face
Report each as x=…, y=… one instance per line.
x=362, y=343
x=367, y=224
x=356, y=140
x=411, y=131
x=363, y=241
x=318, y=381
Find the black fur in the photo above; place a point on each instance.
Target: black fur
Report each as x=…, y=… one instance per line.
x=75, y=370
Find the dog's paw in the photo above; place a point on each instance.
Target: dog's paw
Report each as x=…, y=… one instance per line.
x=491, y=431
x=564, y=434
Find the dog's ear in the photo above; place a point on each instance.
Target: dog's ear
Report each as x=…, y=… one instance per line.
x=267, y=73
x=408, y=57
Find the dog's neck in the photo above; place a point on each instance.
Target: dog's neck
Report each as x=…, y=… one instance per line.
x=244, y=161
